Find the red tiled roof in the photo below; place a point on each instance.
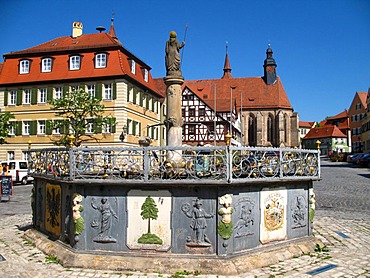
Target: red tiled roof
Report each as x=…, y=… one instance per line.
x=325, y=132
x=341, y=115
x=251, y=91
x=363, y=97
x=61, y=48
x=68, y=43
x=306, y=124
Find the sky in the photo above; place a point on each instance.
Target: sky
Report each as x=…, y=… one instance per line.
x=321, y=47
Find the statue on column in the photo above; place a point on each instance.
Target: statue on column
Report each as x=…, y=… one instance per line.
x=173, y=60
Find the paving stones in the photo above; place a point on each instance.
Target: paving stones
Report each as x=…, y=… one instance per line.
x=350, y=255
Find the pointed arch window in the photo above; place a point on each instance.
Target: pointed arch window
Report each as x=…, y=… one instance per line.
x=252, y=130
x=270, y=129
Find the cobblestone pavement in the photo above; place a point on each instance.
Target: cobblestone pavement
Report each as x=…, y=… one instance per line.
x=344, y=231
x=347, y=241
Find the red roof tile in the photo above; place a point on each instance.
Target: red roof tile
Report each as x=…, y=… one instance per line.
x=325, y=132
x=306, y=124
x=61, y=48
x=251, y=91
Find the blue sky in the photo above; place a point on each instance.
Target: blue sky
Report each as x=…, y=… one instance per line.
x=321, y=47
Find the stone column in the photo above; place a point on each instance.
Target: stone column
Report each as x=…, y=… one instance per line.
x=174, y=113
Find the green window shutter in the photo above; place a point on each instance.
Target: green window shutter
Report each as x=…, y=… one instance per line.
x=139, y=129
x=141, y=97
x=6, y=98
x=33, y=127
x=98, y=90
x=63, y=127
x=147, y=101
x=34, y=96
x=135, y=93
x=18, y=128
x=128, y=92
x=134, y=127
x=153, y=104
x=114, y=90
x=49, y=95
x=65, y=89
x=98, y=126
x=19, y=96
x=114, y=127
x=49, y=128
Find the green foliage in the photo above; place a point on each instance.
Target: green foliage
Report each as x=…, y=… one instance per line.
x=225, y=230
x=79, y=225
x=51, y=259
x=150, y=239
x=5, y=125
x=318, y=248
x=149, y=209
x=78, y=111
x=183, y=273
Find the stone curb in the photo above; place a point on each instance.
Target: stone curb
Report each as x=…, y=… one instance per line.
x=154, y=262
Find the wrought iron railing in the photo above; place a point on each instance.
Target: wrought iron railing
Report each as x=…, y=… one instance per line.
x=153, y=164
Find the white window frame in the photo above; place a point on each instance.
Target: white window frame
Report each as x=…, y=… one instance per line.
x=42, y=95
x=146, y=75
x=27, y=96
x=107, y=128
x=24, y=66
x=46, y=64
x=89, y=126
x=12, y=97
x=75, y=62
x=11, y=155
x=58, y=92
x=11, y=128
x=100, y=60
x=133, y=66
x=41, y=127
x=91, y=90
x=107, y=91
x=26, y=127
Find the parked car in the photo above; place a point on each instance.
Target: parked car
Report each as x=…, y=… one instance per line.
x=18, y=169
x=353, y=157
x=363, y=160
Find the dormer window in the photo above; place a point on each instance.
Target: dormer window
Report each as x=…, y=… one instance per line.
x=100, y=60
x=24, y=66
x=46, y=65
x=133, y=66
x=74, y=62
x=146, y=75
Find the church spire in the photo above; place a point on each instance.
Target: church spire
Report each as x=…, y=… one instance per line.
x=269, y=67
x=112, y=32
x=227, y=68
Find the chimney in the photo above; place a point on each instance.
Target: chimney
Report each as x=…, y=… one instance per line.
x=76, y=29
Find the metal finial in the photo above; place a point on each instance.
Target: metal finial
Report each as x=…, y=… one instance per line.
x=113, y=14
x=227, y=44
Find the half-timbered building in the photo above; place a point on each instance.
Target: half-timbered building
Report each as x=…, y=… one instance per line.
x=255, y=110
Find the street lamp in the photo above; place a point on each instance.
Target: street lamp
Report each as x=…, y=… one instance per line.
x=29, y=144
x=71, y=140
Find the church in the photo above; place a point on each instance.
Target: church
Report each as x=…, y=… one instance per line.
x=255, y=111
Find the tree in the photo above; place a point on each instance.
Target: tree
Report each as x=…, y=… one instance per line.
x=5, y=125
x=82, y=116
x=149, y=210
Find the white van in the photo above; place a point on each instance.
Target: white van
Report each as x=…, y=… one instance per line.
x=18, y=169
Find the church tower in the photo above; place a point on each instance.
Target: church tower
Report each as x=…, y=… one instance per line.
x=269, y=67
x=227, y=68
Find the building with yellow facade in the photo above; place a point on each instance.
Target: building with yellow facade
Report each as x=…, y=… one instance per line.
x=97, y=63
